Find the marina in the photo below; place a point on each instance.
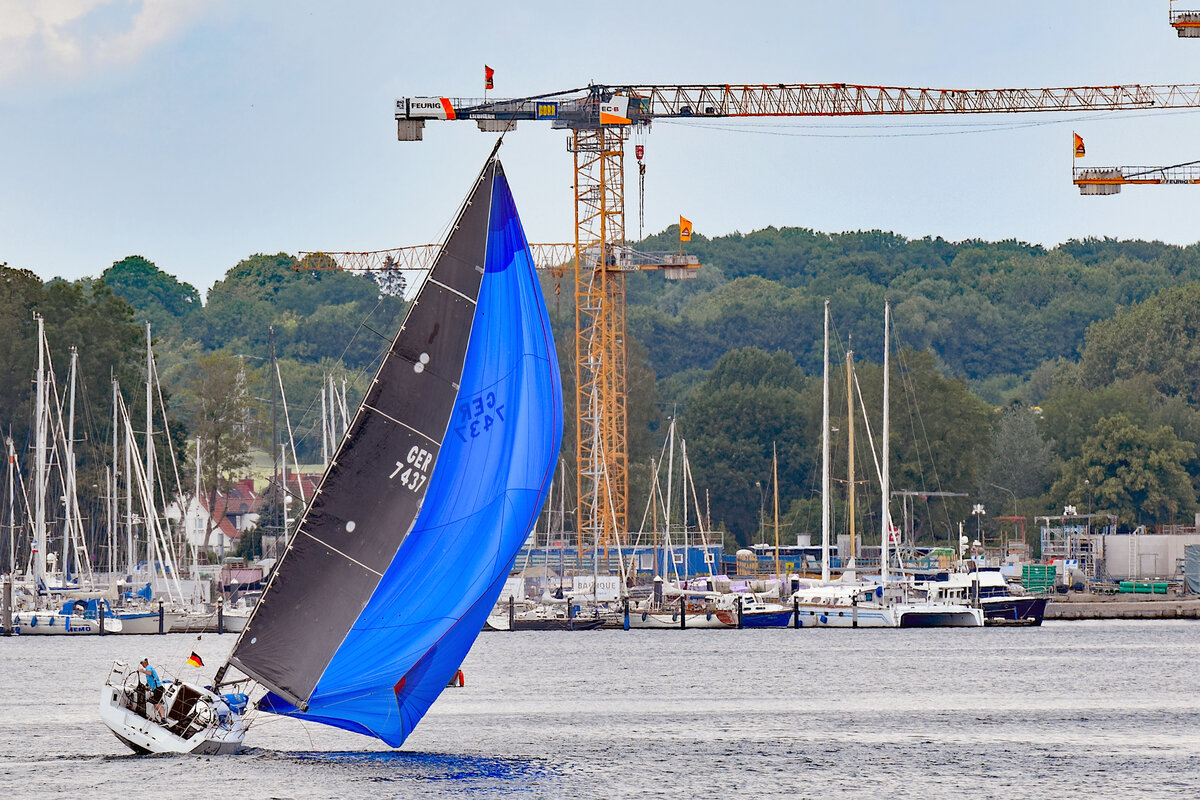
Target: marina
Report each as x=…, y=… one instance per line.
x=895, y=495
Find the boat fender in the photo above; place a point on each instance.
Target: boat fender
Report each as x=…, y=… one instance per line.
x=708, y=614
x=52, y=619
x=644, y=615
x=824, y=620
x=33, y=621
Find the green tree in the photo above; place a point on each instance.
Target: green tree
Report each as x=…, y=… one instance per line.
x=156, y=296
x=220, y=417
x=751, y=401
x=1135, y=474
x=1159, y=338
x=1022, y=461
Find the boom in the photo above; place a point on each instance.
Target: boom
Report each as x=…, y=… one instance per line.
x=640, y=105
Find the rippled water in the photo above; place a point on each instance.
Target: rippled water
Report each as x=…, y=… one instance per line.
x=1086, y=709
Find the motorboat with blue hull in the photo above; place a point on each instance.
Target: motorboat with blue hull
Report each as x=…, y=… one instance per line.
x=407, y=542
x=752, y=611
x=1001, y=602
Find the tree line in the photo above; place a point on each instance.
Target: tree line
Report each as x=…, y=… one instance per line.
x=1024, y=377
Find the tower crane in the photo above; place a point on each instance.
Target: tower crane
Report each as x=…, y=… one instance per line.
x=599, y=119
x=1185, y=23
x=1100, y=181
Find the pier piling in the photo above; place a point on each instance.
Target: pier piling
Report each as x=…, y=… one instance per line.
x=6, y=610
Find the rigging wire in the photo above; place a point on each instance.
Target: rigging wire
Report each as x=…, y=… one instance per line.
x=938, y=128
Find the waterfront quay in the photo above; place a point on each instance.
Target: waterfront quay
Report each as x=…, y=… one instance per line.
x=1098, y=606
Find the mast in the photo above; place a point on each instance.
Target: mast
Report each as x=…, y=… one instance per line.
x=775, y=480
x=825, y=500
x=114, y=505
x=39, y=483
x=150, y=511
x=886, y=522
x=280, y=489
x=324, y=427
x=71, y=507
x=131, y=545
x=12, y=508
x=850, y=446
x=670, y=475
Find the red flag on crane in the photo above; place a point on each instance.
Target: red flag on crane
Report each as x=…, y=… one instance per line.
x=1079, y=151
x=488, y=74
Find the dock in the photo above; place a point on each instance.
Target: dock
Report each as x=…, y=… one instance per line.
x=1124, y=606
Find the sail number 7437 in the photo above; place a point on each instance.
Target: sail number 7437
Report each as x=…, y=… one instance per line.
x=415, y=468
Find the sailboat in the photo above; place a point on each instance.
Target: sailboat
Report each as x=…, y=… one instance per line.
x=417, y=520
x=849, y=602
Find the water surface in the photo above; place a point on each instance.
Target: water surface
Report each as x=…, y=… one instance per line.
x=1087, y=709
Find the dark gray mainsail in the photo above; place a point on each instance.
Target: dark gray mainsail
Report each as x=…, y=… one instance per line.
x=372, y=491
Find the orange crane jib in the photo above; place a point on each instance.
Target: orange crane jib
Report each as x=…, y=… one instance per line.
x=582, y=108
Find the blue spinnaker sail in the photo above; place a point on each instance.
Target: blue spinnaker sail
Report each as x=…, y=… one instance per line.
x=486, y=490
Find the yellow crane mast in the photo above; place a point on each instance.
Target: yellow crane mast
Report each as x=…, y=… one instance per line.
x=599, y=118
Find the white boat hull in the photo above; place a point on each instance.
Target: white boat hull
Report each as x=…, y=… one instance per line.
x=938, y=615
x=142, y=624
x=231, y=622
x=198, y=722
x=44, y=623
x=665, y=620
x=846, y=616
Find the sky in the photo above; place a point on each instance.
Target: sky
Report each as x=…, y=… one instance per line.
x=197, y=133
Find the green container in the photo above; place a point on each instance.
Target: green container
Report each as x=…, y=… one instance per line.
x=1038, y=577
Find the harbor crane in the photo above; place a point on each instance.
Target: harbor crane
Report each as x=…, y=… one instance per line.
x=599, y=119
x=1185, y=23
x=1102, y=181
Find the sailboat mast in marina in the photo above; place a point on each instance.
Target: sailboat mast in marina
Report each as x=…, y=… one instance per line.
x=885, y=475
x=850, y=453
x=410, y=536
x=825, y=481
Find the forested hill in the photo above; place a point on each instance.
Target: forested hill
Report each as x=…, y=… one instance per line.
x=1103, y=335
x=990, y=311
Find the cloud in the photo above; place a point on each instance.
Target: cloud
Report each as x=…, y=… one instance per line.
x=69, y=39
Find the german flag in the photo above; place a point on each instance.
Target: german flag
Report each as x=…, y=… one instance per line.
x=195, y=660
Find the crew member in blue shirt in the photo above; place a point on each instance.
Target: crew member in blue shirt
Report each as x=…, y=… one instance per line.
x=155, y=687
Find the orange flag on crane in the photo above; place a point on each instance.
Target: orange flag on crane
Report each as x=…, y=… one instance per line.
x=1079, y=151
x=488, y=74
x=685, y=229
